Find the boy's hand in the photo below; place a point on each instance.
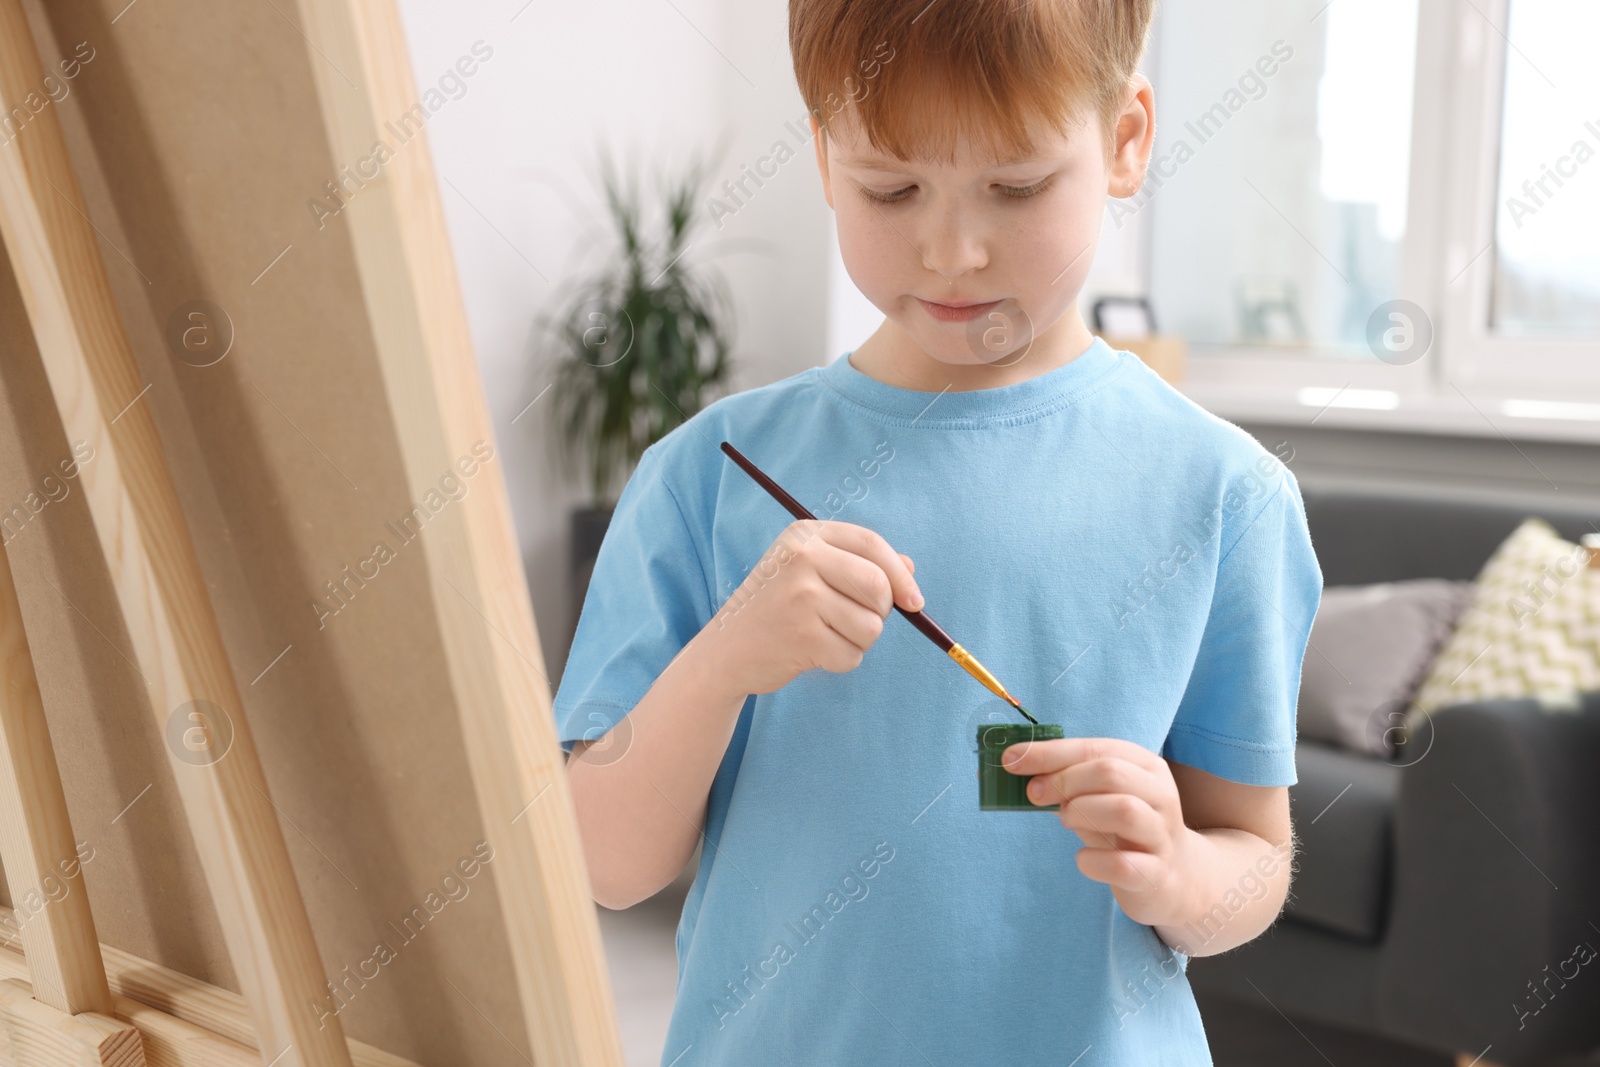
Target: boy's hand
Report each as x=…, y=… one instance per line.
x=1122, y=800
x=818, y=598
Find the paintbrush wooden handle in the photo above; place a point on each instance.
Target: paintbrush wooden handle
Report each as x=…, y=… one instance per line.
x=933, y=630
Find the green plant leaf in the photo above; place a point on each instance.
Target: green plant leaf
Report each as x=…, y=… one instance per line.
x=674, y=319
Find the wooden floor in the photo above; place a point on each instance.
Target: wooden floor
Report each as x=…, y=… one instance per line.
x=641, y=953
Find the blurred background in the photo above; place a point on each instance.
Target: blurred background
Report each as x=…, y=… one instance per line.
x=1370, y=235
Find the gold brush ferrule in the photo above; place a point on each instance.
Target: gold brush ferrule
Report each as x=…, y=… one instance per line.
x=970, y=664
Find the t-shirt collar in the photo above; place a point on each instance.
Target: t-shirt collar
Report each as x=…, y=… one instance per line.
x=1035, y=397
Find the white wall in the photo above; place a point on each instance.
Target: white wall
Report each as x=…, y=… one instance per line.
x=515, y=155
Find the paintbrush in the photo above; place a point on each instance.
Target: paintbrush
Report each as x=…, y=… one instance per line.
x=933, y=630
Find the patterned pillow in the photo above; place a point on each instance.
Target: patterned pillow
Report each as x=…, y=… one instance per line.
x=1533, y=629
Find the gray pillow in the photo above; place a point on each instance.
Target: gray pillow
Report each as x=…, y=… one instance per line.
x=1370, y=648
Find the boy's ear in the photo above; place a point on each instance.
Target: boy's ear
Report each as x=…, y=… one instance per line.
x=819, y=141
x=1135, y=138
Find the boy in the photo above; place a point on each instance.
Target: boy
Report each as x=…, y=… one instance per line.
x=1127, y=564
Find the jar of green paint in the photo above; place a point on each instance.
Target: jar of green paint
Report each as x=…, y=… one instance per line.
x=998, y=788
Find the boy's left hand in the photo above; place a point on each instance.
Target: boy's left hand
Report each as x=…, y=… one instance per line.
x=1122, y=801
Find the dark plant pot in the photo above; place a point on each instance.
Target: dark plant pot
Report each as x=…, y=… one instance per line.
x=588, y=530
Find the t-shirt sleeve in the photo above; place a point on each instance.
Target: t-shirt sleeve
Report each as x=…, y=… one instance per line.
x=647, y=598
x=1237, y=716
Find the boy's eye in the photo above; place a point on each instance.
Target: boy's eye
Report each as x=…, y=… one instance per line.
x=890, y=197
x=1017, y=192
x=1020, y=191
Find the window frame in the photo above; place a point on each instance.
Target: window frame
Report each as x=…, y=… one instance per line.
x=1464, y=381
x=1478, y=354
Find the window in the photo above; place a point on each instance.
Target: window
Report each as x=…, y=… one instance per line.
x=1285, y=142
x=1547, y=225
x=1385, y=207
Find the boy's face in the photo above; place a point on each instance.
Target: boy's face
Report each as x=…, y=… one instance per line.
x=1018, y=236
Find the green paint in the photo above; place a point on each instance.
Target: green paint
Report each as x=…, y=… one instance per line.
x=998, y=788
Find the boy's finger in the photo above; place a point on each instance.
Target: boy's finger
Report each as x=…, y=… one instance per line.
x=1120, y=868
x=1105, y=776
x=1037, y=757
x=1119, y=821
x=850, y=619
x=910, y=564
x=871, y=545
x=1042, y=757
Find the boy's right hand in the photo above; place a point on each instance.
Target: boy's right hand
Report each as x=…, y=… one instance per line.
x=818, y=598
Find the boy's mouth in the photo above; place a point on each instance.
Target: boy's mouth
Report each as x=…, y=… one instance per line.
x=956, y=312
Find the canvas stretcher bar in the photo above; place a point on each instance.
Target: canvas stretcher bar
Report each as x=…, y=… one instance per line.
x=62, y=1014
x=475, y=570
x=184, y=1022
x=36, y=841
x=147, y=547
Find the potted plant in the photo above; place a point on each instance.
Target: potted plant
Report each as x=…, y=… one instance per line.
x=640, y=346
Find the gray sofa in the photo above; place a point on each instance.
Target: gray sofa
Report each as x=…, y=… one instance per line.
x=1441, y=904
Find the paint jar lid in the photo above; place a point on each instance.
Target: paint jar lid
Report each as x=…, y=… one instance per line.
x=993, y=735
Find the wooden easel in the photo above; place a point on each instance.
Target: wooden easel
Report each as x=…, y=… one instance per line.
x=68, y=1010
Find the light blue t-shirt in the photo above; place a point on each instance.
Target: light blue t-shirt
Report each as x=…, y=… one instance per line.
x=1127, y=564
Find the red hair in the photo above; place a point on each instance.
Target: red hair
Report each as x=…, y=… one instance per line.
x=914, y=73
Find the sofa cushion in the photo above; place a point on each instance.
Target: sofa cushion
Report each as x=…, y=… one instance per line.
x=1533, y=629
x=1370, y=647
x=1343, y=811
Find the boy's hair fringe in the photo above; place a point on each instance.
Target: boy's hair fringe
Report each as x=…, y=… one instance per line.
x=914, y=74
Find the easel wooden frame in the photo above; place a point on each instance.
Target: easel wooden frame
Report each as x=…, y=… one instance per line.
x=431, y=378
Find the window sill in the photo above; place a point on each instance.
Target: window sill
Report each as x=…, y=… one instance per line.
x=1244, y=388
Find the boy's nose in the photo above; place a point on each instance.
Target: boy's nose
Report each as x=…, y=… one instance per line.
x=954, y=260
x=952, y=250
